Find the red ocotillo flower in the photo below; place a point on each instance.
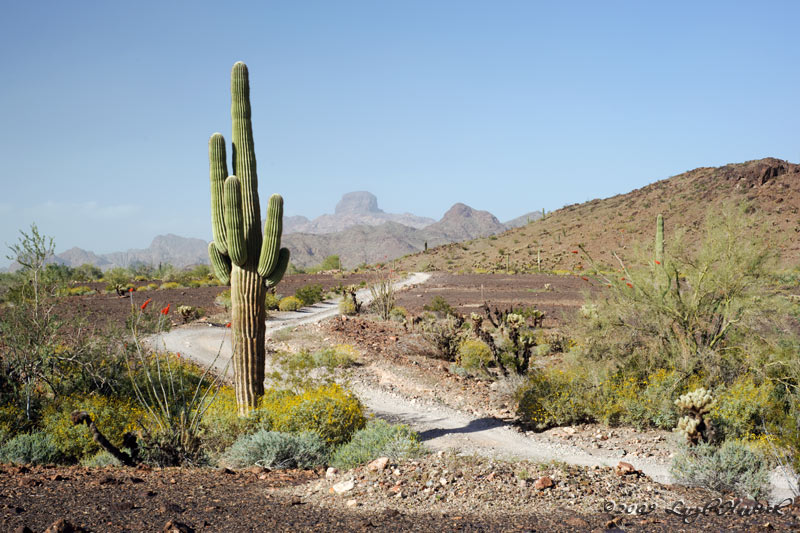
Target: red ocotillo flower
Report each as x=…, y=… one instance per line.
x=165, y=310
x=584, y=278
x=130, y=289
x=228, y=325
x=629, y=285
x=145, y=303
x=658, y=262
x=574, y=251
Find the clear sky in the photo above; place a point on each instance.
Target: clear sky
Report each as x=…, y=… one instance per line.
x=509, y=106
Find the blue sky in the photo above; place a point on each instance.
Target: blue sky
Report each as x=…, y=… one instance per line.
x=106, y=107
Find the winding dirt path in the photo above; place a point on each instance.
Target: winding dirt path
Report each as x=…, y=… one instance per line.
x=440, y=427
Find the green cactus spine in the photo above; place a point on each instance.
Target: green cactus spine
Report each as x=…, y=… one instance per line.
x=659, y=251
x=240, y=254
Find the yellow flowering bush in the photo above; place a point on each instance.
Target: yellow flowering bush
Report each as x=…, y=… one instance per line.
x=474, y=354
x=742, y=408
x=330, y=411
x=113, y=417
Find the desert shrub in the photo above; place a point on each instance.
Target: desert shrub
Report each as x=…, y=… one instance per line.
x=330, y=262
x=377, y=439
x=81, y=290
x=117, y=276
x=113, y=417
x=100, y=460
x=742, y=409
x=339, y=355
x=12, y=421
x=223, y=299
x=189, y=312
x=703, y=308
x=87, y=272
x=554, y=398
x=290, y=303
x=398, y=314
x=731, y=467
x=309, y=294
x=444, y=335
x=221, y=424
x=347, y=307
x=330, y=411
x=439, y=306
x=30, y=448
x=474, y=354
x=271, y=301
x=169, y=285
x=275, y=449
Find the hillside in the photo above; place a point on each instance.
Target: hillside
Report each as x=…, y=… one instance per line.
x=771, y=187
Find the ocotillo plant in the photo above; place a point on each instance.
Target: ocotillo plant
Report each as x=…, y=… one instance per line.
x=240, y=254
x=659, y=252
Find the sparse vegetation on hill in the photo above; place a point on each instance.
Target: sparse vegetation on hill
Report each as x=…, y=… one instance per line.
x=771, y=187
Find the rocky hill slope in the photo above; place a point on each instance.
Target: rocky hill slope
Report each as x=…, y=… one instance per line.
x=771, y=187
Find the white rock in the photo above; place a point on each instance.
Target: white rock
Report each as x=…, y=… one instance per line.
x=344, y=486
x=331, y=472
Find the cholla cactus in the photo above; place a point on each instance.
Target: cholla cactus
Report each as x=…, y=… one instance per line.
x=696, y=426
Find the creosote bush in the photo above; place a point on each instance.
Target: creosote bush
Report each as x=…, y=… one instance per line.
x=31, y=448
x=330, y=411
x=290, y=303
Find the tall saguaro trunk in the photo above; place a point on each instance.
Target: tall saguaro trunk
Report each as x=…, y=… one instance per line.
x=240, y=254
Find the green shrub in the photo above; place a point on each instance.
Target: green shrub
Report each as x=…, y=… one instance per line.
x=731, y=467
x=339, y=355
x=30, y=448
x=309, y=294
x=439, y=306
x=330, y=411
x=377, y=439
x=554, y=398
x=742, y=408
x=290, y=303
x=169, y=285
x=100, y=460
x=347, y=307
x=12, y=421
x=398, y=314
x=474, y=354
x=223, y=299
x=113, y=417
x=271, y=301
x=275, y=449
x=222, y=424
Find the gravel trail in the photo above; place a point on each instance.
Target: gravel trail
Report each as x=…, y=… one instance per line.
x=440, y=427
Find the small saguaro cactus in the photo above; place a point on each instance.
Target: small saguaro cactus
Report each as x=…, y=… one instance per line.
x=240, y=254
x=659, y=251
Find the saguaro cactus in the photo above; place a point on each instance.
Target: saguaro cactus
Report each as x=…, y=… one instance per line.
x=240, y=254
x=659, y=251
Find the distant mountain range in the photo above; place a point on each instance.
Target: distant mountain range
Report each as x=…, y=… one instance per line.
x=358, y=232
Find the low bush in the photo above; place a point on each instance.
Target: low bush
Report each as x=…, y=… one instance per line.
x=290, y=303
x=309, y=294
x=398, y=314
x=169, y=285
x=554, y=398
x=439, y=306
x=113, y=417
x=330, y=411
x=275, y=449
x=474, y=354
x=444, y=335
x=223, y=299
x=378, y=439
x=742, y=409
x=222, y=424
x=30, y=448
x=731, y=467
x=100, y=460
x=347, y=307
x=271, y=301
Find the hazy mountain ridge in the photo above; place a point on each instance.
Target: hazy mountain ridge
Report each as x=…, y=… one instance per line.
x=369, y=236
x=359, y=208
